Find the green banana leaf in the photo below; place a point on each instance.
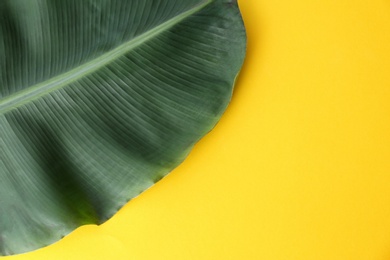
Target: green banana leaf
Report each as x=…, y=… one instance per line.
x=100, y=99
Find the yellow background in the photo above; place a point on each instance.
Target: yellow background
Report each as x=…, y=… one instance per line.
x=298, y=167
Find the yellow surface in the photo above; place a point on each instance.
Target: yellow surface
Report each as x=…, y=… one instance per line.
x=298, y=167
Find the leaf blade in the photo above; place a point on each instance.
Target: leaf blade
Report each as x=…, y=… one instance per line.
x=79, y=153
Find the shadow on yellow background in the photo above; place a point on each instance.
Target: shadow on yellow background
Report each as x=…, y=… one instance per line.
x=298, y=167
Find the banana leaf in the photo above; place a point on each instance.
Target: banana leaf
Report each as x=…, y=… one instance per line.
x=99, y=100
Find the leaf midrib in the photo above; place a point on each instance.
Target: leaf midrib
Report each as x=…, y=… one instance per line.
x=34, y=92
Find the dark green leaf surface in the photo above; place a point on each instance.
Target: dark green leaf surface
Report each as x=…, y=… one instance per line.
x=99, y=99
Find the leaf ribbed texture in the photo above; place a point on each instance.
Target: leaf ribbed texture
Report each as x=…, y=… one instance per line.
x=101, y=99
